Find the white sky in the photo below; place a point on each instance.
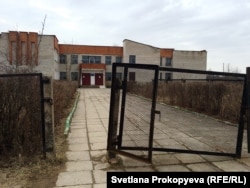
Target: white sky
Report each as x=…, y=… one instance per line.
x=222, y=27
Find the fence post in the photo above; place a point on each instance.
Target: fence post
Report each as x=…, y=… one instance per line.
x=49, y=114
x=248, y=107
x=114, y=120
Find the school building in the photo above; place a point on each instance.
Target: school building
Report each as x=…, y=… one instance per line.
x=90, y=65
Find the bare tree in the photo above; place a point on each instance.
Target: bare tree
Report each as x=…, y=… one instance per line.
x=228, y=68
x=20, y=107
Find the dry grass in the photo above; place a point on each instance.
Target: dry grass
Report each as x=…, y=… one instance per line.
x=218, y=99
x=35, y=171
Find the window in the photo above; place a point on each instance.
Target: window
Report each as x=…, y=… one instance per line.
x=74, y=59
x=91, y=59
x=108, y=60
x=132, y=59
x=95, y=59
x=118, y=59
x=168, y=61
x=161, y=61
x=85, y=59
x=108, y=76
x=63, y=76
x=74, y=76
x=168, y=76
x=63, y=59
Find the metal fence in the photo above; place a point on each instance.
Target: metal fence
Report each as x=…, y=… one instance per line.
x=139, y=122
x=22, y=122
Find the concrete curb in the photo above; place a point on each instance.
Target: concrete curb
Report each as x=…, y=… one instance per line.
x=69, y=118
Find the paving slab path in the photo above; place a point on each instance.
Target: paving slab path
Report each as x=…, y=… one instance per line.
x=87, y=166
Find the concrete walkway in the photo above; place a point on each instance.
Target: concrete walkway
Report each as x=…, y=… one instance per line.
x=87, y=165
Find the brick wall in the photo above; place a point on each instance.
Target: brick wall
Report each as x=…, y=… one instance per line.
x=94, y=50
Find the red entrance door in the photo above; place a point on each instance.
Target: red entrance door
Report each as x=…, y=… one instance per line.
x=98, y=79
x=86, y=79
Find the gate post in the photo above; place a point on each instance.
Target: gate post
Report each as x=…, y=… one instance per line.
x=113, y=119
x=48, y=114
x=248, y=107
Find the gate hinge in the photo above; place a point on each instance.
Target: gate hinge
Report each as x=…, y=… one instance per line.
x=48, y=99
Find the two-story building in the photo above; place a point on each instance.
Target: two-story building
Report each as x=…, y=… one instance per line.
x=90, y=65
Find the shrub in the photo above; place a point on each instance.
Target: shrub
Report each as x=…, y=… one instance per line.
x=63, y=91
x=20, y=113
x=219, y=99
x=20, y=117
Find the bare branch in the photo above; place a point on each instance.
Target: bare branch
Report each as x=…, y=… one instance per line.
x=41, y=33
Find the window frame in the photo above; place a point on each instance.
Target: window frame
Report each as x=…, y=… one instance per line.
x=108, y=60
x=63, y=76
x=64, y=59
x=118, y=59
x=74, y=59
x=108, y=76
x=132, y=59
x=168, y=76
x=77, y=76
x=168, y=61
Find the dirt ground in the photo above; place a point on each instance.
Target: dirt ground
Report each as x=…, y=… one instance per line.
x=36, y=172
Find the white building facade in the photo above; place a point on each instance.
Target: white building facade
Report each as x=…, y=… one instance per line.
x=91, y=65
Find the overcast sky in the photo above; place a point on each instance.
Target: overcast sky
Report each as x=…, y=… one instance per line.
x=222, y=27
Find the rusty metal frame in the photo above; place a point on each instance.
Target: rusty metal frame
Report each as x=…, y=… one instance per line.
x=114, y=143
x=241, y=123
x=114, y=140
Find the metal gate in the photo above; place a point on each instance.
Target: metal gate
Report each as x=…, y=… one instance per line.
x=22, y=117
x=132, y=115
x=134, y=128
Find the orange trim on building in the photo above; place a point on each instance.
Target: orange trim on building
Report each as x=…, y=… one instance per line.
x=56, y=46
x=33, y=42
x=23, y=53
x=33, y=37
x=166, y=52
x=13, y=36
x=93, y=66
x=23, y=36
x=95, y=50
x=16, y=42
